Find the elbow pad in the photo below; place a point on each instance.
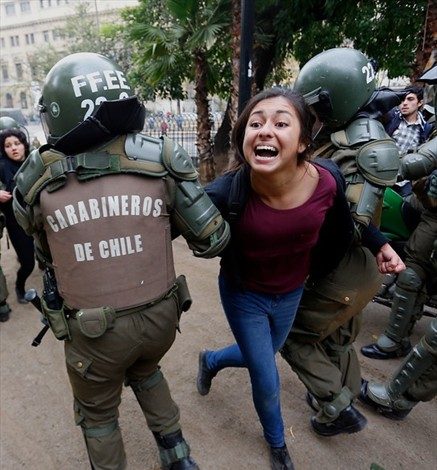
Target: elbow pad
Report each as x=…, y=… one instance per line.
x=420, y=164
x=198, y=220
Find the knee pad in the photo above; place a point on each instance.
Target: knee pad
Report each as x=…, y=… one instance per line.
x=147, y=383
x=409, y=280
x=100, y=431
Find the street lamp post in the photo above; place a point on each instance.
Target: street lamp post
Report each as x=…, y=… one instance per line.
x=246, y=41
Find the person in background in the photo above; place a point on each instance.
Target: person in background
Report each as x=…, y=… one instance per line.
x=278, y=204
x=406, y=124
x=14, y=149
x=409, y=129
x=5, y=309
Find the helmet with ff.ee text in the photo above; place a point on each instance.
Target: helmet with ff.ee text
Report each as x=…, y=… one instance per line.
x=75, y=88
x=337, y=83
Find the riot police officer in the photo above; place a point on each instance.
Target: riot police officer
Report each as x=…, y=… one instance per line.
x=414, y=381
x=103, y=203
x=340, y=85
x=408, y=297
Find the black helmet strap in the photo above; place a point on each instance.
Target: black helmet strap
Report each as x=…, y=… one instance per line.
x=111, y=119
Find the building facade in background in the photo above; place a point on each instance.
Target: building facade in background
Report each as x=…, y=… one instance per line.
x=26, y=28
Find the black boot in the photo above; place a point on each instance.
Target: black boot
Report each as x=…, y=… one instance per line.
x=20, y=295
x=174, y=452
x=375, y=352
x=349, y=421
x=4, y=311
x=280, y=459
x=204, y=375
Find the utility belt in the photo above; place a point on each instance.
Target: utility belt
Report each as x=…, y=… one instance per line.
x=94, y=322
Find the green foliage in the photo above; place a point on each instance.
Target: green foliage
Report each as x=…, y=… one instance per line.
x=387, y=30
x=168, y=34
x=43, y=61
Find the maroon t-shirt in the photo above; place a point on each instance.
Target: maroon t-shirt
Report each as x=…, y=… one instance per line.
x=276, y=244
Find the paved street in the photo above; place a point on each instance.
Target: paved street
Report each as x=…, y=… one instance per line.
x=38, y=432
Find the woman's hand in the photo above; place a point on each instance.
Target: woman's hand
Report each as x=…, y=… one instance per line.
x=5, y=196
x=389, y=261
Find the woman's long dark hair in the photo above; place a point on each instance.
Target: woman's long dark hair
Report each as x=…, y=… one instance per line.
x=15, y=133
x=306, y=120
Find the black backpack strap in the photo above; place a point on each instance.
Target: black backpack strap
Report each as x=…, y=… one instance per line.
x=238, y=193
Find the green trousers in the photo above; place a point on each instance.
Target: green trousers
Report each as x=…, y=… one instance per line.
x=128, y=353
x=319, y=347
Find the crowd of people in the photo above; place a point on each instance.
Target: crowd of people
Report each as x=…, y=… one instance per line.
x=294, y=221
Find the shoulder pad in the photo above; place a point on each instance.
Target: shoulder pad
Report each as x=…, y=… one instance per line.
x=379, y=162
x=177, y=161
x=147, y=150
x=35, y=171
x=358, y=132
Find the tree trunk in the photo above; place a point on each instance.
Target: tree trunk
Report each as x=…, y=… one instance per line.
x=222, y=141
x=203, y=144
x=428, y=42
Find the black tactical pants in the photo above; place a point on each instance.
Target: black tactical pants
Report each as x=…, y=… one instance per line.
x=127, y=353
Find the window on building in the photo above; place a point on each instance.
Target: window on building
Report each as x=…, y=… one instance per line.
x=25, y=6
x=9, y=101
x=23, y=100
x=30, y=38
x=9, y=9
x=19, y=70
x=33, y=71
x=5, y=72
x=46, y=36
x=15, y=41
x=55, y=34
x=41, y=3
x=2, y=42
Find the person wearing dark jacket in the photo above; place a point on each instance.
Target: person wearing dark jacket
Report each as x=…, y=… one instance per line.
x=285, y=213
x=14, y=149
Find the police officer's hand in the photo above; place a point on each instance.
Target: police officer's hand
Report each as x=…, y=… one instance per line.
x=5, y=196
x=389, y=261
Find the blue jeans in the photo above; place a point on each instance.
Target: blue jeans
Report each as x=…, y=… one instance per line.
x=260, y=324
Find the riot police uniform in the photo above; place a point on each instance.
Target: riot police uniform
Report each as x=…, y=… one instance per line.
x=104, y=203
x=415, y=380
x=409, y=295
x=319, y=347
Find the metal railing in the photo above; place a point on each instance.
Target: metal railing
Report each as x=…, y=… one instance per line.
x=180, y=128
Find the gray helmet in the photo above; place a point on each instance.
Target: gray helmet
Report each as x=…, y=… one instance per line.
x=7, y=122
x=337, y=83
x=75, y=88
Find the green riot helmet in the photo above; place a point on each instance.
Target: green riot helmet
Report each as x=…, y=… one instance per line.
x=337, y=83
x=75, y=88
x=7, y=122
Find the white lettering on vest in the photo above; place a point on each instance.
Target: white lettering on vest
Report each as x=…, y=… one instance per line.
x=83, y=252
x=94, y=208
x=106, y=206
x=120, y=246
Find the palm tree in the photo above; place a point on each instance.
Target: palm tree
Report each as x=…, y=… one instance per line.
x=178, y=48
